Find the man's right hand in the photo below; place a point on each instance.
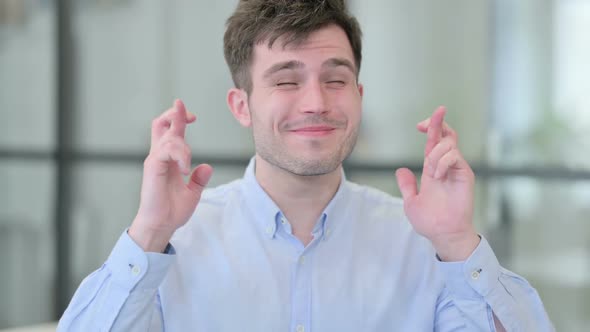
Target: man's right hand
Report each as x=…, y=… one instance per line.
x=167, y=202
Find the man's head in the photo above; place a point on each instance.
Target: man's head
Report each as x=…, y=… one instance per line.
x=264, y=21
x=296, y=82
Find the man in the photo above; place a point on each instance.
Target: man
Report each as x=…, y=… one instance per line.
x=293, y=246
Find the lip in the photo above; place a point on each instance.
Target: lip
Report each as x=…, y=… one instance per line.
x=313, y=131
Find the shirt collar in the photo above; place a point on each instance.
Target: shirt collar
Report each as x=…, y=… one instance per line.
x=265, y=211
x=336, y=210
x=268, y=215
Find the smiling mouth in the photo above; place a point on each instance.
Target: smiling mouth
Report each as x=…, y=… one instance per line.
x=313, y=131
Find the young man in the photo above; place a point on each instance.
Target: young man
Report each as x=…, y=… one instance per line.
x=293, y=246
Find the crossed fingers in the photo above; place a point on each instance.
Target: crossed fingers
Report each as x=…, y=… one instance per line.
x=440, y=153
x=168, y=131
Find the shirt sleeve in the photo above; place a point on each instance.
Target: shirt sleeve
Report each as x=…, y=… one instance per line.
x=478, y=288
x=123, y=294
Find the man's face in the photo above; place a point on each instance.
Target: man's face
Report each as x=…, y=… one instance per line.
x=305, y=104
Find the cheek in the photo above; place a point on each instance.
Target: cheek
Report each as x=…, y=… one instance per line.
x=280, y=108
x=349, y=104
x=267, y=115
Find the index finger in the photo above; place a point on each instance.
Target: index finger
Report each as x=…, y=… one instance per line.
x=435, y=129
x=447, y=130
x=178, y=119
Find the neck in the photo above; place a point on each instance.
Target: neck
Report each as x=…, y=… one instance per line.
x=301, y=198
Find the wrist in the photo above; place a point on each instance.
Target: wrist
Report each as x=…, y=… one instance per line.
x=456, y=248
x=149, y=240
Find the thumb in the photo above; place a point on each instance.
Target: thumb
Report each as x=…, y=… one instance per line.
x=200, y=177
x=406, y=182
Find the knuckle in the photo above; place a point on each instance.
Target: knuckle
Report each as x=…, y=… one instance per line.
x=166, y=144
x=155, y=122
x=173, y=145
x=449, y=143
x=451, y=154
x=165, y=113
x=169, y=145
x=164, y=117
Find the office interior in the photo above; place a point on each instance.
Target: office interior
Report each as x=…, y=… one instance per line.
x=80, y=82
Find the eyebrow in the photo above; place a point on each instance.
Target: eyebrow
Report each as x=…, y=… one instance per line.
x=294, y=64
x=337, y=62
x=285, y=65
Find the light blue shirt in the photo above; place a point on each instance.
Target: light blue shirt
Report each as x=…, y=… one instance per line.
x=236, y=266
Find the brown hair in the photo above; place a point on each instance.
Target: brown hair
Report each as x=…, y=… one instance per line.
x=257, y=21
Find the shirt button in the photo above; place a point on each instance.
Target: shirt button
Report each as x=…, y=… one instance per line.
x=269, y=230
x=326, y=233
x=135, y=270
x=300, y=328
x=283, y=221
x=301, y=259
x=475, y=274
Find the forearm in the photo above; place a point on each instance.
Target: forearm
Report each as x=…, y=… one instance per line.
x=479, y=289
x=121, y=295
x=109, y=308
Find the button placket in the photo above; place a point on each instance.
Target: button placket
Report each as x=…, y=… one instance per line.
x=301, y=293
x=301, y=260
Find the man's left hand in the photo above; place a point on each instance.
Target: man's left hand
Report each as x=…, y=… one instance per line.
x=442, y=210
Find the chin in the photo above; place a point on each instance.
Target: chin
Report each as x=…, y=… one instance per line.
x=314, y=167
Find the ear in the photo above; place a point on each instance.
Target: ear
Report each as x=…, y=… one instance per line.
x=361, y=89
x=237, y=101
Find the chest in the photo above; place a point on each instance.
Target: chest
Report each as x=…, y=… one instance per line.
x=274, y=287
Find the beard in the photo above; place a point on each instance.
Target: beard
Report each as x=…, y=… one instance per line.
x=274, y=150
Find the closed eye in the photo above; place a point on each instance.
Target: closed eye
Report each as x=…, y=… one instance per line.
x=286, y=83
x=336, y=83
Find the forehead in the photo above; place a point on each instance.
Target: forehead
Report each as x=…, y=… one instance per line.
x=328, y=42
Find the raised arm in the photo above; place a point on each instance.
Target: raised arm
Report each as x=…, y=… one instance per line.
x=123, y=294
x=479, y=294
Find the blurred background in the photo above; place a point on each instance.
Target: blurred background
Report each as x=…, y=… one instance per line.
x=80, y=82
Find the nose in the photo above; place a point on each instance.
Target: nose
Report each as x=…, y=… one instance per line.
x=314, y=99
